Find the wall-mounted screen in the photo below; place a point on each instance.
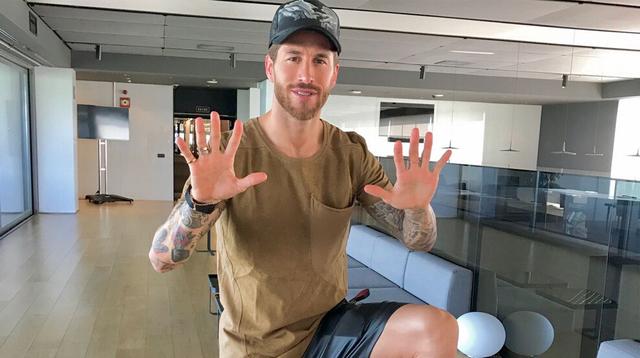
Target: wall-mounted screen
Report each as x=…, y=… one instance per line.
x=97, y=122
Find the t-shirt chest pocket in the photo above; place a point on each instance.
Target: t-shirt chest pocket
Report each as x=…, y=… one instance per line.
x=329, y=227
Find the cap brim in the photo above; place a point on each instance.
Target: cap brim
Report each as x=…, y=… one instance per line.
x=282, y=36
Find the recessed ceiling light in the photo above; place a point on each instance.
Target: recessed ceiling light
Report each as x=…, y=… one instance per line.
x=473, y=52
x=129, y=80
x=437, y=95
x=176, y=85
x=213, y=81
x=355, y=92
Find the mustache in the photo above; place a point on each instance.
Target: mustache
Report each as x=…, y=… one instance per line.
x=306, y=86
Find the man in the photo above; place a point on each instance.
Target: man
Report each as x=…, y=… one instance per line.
x=282, y=264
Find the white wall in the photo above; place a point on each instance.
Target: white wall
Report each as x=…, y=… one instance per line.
x=462, y=124
x=134, y=170
x=56, y=136
x=479, y=130
x=248, y=104
x=503, y=120
x=626, y=142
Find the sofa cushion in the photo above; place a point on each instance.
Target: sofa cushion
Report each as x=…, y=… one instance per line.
x=389, y=259
x=363, y=277
x=351, y=262
x=360, y=243
x=394, y=294
x=438, y=282
x=619, y=348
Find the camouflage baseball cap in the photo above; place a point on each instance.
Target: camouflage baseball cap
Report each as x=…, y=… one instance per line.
x=305, y=15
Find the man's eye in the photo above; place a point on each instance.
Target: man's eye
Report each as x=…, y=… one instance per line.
x=321, y=61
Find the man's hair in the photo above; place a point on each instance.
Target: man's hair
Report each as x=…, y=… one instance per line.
x=273, y=53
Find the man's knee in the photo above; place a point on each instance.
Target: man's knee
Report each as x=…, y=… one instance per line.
x=437, y=322
x=437, y=333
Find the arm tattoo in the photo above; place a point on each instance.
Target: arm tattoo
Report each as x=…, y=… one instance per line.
x=176, y=239
x=388, y=216
x=416, y=228
x=419, y=228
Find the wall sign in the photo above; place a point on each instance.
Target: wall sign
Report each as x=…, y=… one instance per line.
x=203, y=109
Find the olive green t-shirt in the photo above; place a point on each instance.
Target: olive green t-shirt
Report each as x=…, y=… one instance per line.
x=282, y=260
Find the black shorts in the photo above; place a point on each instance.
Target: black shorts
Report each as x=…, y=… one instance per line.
x=350, y=330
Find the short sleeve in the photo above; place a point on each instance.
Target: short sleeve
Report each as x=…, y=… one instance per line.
x=371, y=172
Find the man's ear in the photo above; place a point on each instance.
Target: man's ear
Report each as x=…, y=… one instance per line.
x=334, y=79
x=268, y=67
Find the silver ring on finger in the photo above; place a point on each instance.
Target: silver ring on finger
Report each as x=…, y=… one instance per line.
x=192, y=160
x=204, y=150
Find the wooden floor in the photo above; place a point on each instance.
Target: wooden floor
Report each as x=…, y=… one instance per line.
x=82, y=286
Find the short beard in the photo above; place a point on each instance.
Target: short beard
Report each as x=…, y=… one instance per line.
x=306, y=112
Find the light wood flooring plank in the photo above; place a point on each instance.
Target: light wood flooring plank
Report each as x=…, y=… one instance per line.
x=18, y=343
x=81, y=286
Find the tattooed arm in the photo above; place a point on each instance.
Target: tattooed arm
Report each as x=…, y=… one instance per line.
x=416, y=228
x=176, y=239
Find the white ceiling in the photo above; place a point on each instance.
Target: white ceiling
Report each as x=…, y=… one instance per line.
x=622, y=15
x=198, y=37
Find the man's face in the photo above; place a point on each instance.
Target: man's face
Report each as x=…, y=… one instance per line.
x=303, y=73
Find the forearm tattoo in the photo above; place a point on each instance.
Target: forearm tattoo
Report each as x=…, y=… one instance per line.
x=176, y=239
x=390, y=217
x=419, y=229
x=416, y=228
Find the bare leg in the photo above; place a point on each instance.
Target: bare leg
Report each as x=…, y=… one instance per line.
x=418, y=331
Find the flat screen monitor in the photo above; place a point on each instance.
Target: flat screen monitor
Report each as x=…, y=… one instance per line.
x=98, y=122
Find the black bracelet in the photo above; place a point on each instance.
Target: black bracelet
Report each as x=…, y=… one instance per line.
x=199, y=207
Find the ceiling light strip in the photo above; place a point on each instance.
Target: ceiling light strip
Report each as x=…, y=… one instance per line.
x=378, y=21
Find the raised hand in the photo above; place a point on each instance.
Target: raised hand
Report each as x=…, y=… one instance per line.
x=213, y=178
x=416, y=185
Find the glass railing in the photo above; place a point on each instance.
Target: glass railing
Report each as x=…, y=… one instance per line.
x=566, y=247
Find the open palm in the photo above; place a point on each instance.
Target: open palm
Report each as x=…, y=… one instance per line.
x=212, y=175
x=416, y=184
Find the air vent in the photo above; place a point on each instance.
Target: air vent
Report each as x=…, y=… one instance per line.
x=6, y=37
x=453, y=63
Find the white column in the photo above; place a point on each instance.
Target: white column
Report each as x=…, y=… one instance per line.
x=266, y=95
x=56, y=138
x=248, y=104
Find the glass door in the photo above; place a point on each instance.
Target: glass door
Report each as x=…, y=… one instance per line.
x=16, y=202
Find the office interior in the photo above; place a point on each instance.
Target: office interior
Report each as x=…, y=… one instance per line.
x=538, y=100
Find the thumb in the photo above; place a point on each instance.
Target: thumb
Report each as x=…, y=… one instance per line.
x=251, y=180
x=378, y=192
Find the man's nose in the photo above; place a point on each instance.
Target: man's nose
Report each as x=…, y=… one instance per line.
x=305, y=72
